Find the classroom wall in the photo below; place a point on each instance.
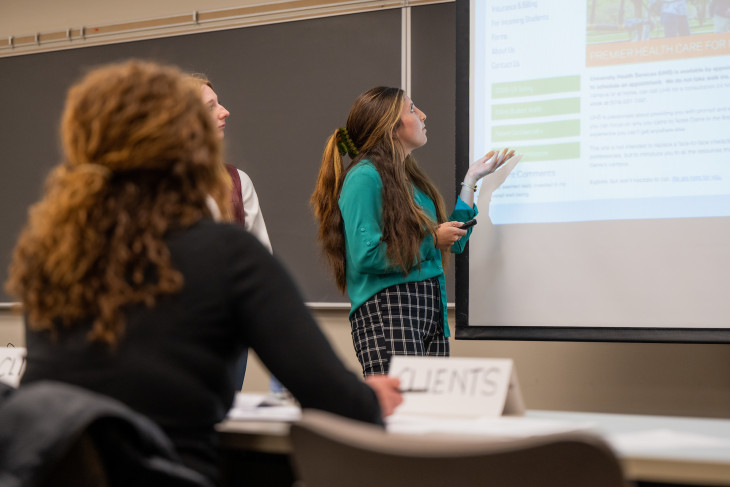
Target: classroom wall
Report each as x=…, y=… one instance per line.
x=670, y=379
x=20, y=17
x=632, y=378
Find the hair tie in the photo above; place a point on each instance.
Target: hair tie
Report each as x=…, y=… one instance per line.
x=95, y=176
x=345, y=145
x=93, y=168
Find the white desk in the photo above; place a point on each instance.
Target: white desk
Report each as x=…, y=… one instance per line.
x=693, y=460
x=645, y=444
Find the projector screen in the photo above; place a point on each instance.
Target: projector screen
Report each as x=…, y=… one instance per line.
x=615, y=225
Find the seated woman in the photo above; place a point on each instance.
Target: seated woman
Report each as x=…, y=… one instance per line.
x=132, y=290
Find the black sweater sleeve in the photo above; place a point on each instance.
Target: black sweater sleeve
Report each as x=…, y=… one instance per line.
x=276, y=323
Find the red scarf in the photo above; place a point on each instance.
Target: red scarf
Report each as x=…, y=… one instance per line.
x=236, y=199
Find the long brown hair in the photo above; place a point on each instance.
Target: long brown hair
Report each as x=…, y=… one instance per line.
x=371, y=126
x=141, y=158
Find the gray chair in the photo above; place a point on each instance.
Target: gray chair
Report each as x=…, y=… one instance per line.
x=81, y=465
x=58, y=435
x=329, y=451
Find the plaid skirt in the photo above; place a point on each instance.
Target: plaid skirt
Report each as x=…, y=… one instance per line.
x=404, y=319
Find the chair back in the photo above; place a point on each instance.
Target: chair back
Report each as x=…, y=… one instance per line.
x=329, y=450
x=55, y=435
x=80, y=466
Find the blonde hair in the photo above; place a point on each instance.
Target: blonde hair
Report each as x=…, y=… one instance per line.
x=201, y=80
x=141, y=158
x=371, y=125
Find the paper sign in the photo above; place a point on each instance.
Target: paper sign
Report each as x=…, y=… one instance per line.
x=12, y=365
x=469, y=387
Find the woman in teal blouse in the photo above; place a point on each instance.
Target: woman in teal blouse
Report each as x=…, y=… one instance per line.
x=383, y=227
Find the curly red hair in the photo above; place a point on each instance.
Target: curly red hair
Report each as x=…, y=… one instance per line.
x=141, y=158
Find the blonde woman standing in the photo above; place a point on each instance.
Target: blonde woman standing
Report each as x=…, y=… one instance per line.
x=384, y=228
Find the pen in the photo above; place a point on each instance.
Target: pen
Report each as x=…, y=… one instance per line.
x=404, y=391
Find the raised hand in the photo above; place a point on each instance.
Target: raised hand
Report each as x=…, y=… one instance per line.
x=487, y=164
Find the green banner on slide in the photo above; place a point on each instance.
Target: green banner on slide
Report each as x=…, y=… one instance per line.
x=544, y=86
x=549, y=152
x=542, y=108
x=529, y=131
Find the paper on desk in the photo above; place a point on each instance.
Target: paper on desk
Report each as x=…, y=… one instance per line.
x=247, y=400
x=504, y=426
x=247, y=407
x=664, y=439
x=277, y=413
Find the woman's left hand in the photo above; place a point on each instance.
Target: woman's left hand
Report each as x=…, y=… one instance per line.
x=487, y=164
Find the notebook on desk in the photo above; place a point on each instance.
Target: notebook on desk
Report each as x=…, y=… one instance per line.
x=263, y=407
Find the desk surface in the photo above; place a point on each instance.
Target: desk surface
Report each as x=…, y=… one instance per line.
x=691, y=451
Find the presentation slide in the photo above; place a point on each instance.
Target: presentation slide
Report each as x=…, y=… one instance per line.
x=618, y=214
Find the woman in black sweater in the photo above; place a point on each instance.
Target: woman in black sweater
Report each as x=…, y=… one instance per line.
x=131, y=289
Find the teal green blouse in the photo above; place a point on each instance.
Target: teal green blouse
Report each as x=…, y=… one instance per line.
x=368, y=270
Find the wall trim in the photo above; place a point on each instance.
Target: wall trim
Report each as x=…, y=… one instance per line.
x=193, y=22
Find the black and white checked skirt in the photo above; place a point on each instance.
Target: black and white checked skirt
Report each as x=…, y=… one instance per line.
x=404, y=319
